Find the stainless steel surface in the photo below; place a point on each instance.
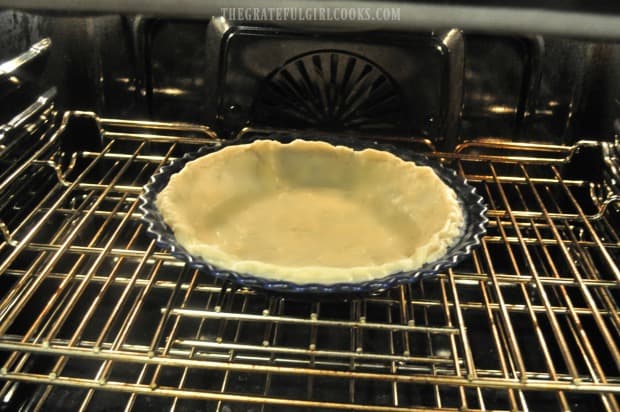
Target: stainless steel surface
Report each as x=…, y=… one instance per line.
x=91, y=305
x=569, y=20
x=18, y=122
x=9, y=67
x=454, y=43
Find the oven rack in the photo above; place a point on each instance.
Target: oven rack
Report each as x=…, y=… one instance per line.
x=531, y=319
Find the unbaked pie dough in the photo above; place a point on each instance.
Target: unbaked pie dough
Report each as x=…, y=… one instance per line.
x=310, y=212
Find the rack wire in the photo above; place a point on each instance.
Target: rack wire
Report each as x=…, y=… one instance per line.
x=90, y=305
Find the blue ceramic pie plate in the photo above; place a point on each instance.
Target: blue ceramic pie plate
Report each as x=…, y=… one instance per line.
x=472, y=205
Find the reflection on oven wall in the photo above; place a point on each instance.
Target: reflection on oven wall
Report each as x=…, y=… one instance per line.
x=85, y=57
x=529, y=88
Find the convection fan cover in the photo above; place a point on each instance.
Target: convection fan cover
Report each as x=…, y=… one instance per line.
x=331, y=90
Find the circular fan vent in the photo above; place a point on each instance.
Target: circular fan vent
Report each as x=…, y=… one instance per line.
x=329, y=90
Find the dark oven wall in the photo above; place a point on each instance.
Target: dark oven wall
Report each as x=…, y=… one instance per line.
x=445, y=85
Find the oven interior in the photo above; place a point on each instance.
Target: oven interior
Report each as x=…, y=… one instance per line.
x=94, y=316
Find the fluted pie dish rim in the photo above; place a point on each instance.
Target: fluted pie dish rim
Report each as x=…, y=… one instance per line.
x=470, y=230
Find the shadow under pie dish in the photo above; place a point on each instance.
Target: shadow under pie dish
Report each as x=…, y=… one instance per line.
x=309, y=216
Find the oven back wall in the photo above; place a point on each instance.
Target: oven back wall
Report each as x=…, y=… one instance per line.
x=522, y=88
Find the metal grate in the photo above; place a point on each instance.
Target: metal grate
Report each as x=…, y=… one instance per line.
x=90, y=304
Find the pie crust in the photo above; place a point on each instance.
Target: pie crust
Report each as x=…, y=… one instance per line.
x=310, y=212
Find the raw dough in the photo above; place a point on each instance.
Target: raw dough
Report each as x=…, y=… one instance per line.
x=310, y=212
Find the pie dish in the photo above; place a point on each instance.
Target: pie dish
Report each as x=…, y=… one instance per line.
x=314, y=216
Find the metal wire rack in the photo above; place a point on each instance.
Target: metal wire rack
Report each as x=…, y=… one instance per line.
x=90, y=305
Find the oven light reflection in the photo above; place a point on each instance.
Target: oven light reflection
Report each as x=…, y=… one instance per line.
x=170, y=91
x=502, y=109
x=9, y=394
